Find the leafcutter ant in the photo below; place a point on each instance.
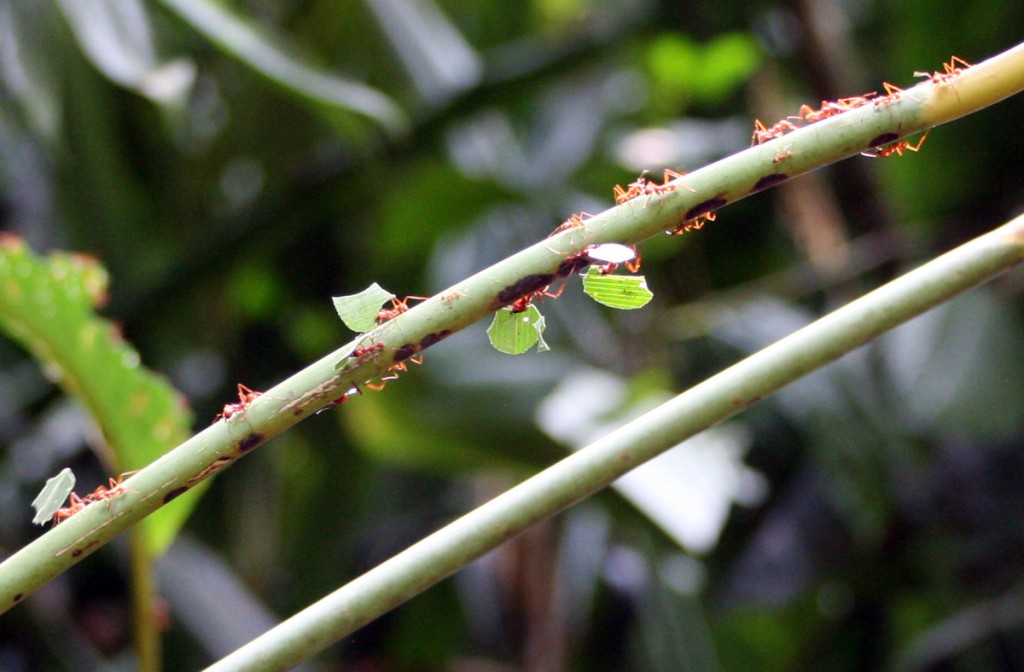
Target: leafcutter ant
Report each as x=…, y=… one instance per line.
x=644, y=187
x=245, y=397
x=897, y=148
x=398, y=306
x=574, y=221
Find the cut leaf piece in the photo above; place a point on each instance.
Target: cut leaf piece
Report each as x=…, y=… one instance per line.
x=611, y=253
x=52, y=496
x=359, y=311
x=515, y=333
x=624, y=292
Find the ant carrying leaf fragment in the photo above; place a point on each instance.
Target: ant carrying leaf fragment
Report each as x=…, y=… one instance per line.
x=514, y=333
x=359, y=311
x=623, y=292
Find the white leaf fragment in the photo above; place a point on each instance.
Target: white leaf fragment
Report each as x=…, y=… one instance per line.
x=52, y=496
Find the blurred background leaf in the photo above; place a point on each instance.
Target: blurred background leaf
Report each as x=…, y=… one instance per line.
x=46, y=306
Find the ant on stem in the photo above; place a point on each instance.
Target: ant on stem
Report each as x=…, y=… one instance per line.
x=897, y=148
x=641, y=186
x=245, y=397
x=763, y=134
x=694, y=224
x=951, y=70
x=116, y=487
x=523, y=302
x=574, y=221
x=398, y=306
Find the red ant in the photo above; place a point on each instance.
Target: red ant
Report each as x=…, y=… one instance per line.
x=831, y=108
x=60, y=515
x=634, y=265
x=856, y=101
x=631, y=266
x=951, y=68
x=892, y=94
x=574, y=221
x=377, y=387
x=365, y=353
x=398, y=306
x=115, y=488
x=361, y=355
x=763, y=134
x=393, y=373
x=611, y=257
x=637, y=187
x=523, y=302
x=644, y=187
x=245, y=397
x=694, y=224
x=897, y=147
x=350, y=392
x=782, y=155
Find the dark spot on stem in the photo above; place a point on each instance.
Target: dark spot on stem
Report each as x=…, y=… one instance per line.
x=770, y=181
x=883, y=139
x=77, y=552
x=250, y=442
x=18, y=597
x=573, y=264
x=528, y=284
x=707, y=206
x=432, y=339
x=404, y=352
x=174, y=493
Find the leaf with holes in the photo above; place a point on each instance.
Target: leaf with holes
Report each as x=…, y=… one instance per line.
x=624, y=292
x=515, y=333
x=47, y=306
x=359, y=311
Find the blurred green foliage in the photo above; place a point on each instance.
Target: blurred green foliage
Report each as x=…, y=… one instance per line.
x=230, y=200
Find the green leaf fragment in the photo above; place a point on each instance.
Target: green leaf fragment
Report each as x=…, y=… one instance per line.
x=52, y=496
x=539, y=326
x=515, y=333
x=359, y=311
x=624, y=292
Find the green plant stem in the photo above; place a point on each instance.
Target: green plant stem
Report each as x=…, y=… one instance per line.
x=312, y=388
x=594, y=467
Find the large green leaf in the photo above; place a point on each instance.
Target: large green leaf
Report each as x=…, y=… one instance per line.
x=47, y=305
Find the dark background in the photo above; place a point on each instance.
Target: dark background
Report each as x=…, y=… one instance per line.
x=881, y=526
